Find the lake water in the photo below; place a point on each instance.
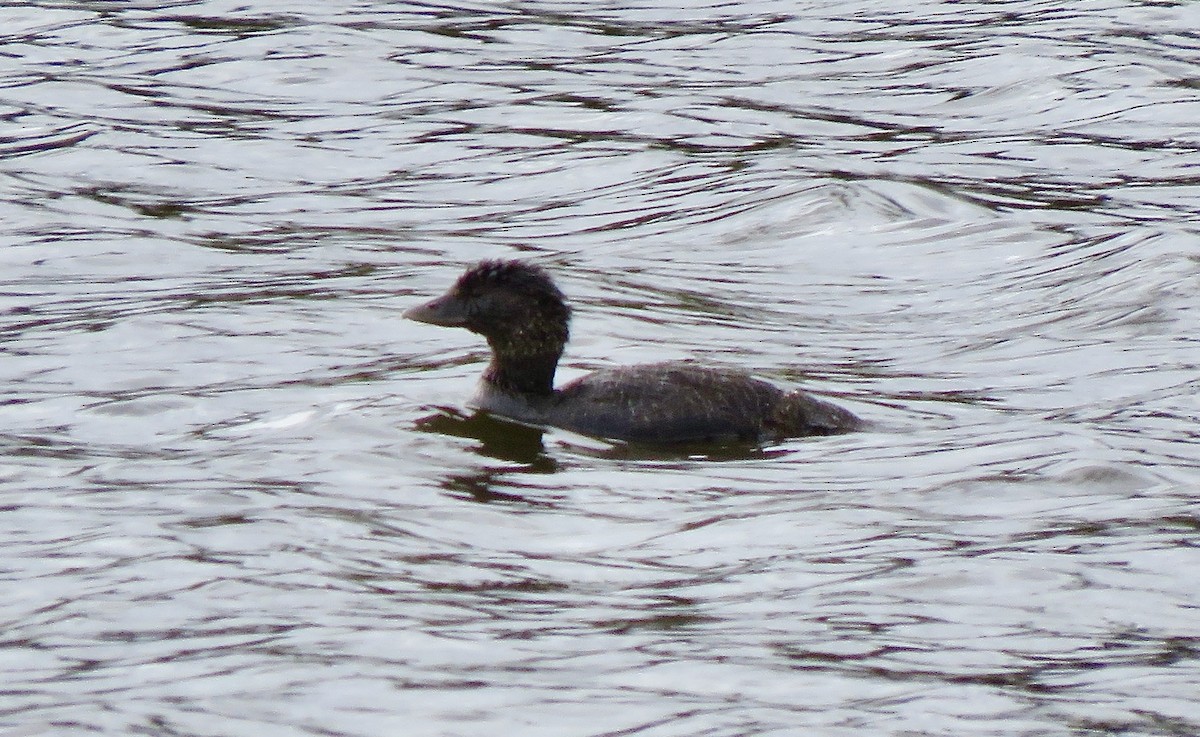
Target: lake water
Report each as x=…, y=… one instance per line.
x=240, y=496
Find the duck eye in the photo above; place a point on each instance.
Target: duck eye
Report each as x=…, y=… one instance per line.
x=484, y=303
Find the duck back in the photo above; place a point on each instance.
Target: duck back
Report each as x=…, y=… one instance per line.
x=674, y=403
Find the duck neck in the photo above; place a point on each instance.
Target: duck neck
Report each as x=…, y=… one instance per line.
x=521, y=372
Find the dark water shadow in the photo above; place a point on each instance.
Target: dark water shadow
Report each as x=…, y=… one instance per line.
x=507, y=441
x=523, y=444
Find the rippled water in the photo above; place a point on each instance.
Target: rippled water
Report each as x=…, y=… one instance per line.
x=240, y=495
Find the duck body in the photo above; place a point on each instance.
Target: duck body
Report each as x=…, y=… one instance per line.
x=671, y=403
x=516, y=306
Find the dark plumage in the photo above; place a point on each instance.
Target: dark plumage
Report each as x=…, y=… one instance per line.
x=525, y=318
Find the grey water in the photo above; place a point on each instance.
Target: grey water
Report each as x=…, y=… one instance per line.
x=240, y=496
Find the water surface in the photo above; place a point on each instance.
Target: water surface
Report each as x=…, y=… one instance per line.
x=241, y=496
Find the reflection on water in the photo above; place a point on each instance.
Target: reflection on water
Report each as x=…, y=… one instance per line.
x=233, y=480
x=506, y=441
x=509, y=441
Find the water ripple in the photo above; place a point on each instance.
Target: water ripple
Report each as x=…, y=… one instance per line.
x=241, y=494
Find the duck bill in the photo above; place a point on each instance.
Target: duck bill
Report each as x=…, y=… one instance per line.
x=446, y=310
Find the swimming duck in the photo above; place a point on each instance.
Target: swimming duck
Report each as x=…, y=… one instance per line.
x=525, y=319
